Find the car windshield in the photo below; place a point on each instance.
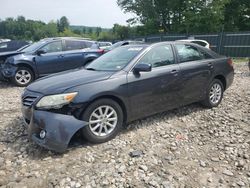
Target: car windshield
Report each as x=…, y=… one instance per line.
x=115, y=60
x=34, y=46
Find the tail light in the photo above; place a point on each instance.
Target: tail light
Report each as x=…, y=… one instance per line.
x=230, y=62
x=101, y=51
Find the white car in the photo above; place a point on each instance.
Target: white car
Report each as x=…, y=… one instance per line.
x=199, y=42
x=104, y=45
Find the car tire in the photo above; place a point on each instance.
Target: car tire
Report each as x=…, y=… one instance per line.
x=23, y=77
x=214, y=94
x=105, y=118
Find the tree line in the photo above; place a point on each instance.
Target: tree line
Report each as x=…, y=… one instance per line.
x=22, y=29
x=151, y=17
x=188, y=16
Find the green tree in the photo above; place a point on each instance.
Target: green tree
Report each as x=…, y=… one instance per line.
x=122, y=32
x=98, y=31
x=62, y=24
x=237, y=15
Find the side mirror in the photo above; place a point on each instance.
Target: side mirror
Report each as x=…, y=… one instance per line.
x=40, y=52
x=142, y=67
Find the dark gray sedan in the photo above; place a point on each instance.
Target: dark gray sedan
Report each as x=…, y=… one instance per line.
x=126, y=84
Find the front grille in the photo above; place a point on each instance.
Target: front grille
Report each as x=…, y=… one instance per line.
x=29, y=100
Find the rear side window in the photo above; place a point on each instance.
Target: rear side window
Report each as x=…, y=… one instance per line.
x=88, y=44
x=159, y=56
x=205, y=55
x=73, y=45
x=188, y=53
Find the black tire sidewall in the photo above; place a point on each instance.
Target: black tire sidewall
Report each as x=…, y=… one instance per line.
x=23, y=85
x=87, y=133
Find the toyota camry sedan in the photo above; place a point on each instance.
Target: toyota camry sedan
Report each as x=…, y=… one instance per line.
x=128, y=83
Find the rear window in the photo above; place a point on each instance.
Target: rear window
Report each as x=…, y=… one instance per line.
x=199, y=43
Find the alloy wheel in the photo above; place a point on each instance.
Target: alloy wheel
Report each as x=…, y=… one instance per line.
x=215, y=93
x=23, y=77
x=103, y=120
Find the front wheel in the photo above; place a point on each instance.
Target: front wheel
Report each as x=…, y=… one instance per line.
x=23, y=77
x=214, y=94
x=105, y=119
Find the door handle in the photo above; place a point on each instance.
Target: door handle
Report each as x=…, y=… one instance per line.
x=174, y=71
x=60, y=56
x=210, y=65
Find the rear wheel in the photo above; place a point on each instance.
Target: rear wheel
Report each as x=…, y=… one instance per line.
x=105, y=119
x=214, y=94
x=23, y=77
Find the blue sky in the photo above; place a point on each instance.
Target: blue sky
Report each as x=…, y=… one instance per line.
x=103, y=13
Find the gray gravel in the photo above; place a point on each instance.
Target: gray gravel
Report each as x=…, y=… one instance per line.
x=187, y=147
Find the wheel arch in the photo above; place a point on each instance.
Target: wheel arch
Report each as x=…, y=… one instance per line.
x=114, y=98
x=22, y=64
x=222, y=79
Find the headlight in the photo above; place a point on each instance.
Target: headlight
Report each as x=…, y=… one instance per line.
x=56, y=101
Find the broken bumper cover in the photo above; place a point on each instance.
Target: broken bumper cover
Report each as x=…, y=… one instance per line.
x=2, y=78
x=58, y=128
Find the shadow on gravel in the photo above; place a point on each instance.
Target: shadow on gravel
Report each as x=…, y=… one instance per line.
x=6, y=84
x=165, y=116
x=14, y=135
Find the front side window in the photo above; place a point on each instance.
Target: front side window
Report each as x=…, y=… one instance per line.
x=159, y=56
x=73, y=45
x=188, y=53
x=53, y=47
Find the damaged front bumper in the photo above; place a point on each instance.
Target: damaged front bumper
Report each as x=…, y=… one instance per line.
x=8, y=70
x=2, y=78
x=51, y=130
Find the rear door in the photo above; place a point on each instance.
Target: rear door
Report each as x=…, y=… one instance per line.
x=155, y=91
x=48, y=63
x=73, y=55
x=196, y=69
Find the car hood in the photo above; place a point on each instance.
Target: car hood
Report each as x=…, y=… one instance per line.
x=10, y=53
x=58, y=83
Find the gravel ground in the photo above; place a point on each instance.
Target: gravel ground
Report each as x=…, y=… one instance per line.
x=186, y=147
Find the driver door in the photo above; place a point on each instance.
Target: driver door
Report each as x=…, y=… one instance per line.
x=48, y=62
x=155, y=91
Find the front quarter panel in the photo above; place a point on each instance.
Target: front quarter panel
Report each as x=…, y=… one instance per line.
x=115, y=86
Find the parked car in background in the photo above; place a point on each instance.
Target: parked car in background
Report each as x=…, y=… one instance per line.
x=199, y=42
x=4, y=40
x=128, y=83
x=123, y=43
x=104, y=45
x=46, y=57
x=12, y=45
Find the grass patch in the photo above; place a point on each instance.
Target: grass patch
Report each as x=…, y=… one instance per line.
x=240, y=60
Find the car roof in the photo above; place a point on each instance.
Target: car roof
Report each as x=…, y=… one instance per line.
x=190, y=40
x=66, y=38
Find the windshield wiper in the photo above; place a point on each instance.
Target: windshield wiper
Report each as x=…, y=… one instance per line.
x=92, y=69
